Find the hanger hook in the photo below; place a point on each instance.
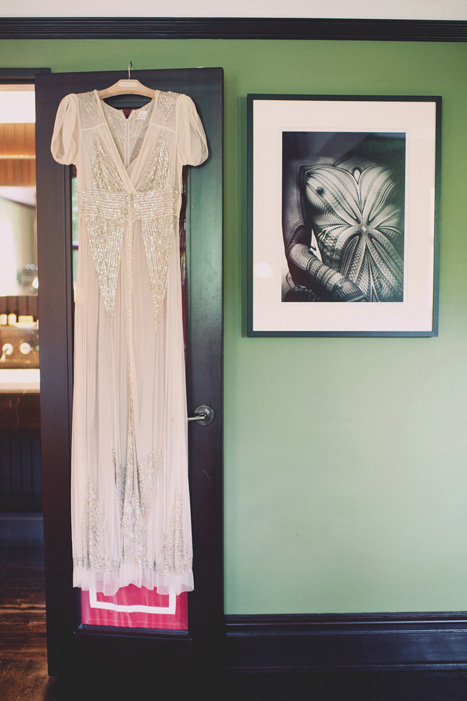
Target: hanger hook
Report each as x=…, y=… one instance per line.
x=130, y=68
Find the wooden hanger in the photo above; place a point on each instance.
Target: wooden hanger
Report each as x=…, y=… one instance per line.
x=127, y=86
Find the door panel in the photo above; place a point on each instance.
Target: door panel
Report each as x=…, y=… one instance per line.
x=71, y=645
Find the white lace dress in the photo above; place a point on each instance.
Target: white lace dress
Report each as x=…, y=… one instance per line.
x=130, y=501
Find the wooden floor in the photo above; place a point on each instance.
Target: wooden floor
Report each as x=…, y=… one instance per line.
x=23, y=650
x=23, y=656
x=23, y=662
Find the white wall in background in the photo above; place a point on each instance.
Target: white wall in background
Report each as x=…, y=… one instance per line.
x=369, y=9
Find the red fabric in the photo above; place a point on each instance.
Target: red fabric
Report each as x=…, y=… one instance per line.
x=131, y=596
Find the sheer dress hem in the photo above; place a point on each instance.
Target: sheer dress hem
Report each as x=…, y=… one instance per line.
x=108, y=583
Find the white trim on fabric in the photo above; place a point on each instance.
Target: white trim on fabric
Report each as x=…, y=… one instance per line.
x=133, y=608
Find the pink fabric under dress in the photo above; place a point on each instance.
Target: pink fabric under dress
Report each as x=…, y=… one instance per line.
x=130, y=501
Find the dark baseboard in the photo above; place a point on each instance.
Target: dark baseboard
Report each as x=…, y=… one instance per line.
x=347, y=642
x=21, y=529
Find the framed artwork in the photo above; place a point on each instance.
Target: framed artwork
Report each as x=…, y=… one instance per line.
x=343, y=215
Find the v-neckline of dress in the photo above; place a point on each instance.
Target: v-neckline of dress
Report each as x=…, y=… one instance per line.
x=116, y=153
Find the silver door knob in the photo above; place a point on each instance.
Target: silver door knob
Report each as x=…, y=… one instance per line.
x=203, y=415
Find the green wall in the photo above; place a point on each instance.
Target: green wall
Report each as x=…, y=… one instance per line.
x=345, y=459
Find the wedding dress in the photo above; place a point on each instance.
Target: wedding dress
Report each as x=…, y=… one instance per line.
x=130, y=501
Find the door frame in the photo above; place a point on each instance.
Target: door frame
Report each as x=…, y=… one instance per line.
x=72, y=646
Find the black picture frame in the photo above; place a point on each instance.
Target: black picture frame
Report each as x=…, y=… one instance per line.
x=343, y=207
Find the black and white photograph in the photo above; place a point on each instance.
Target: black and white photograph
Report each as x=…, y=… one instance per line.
x=343, y=216
x=343, y=207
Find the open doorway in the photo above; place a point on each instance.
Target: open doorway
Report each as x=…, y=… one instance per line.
x=20, y=456
x=22, y=595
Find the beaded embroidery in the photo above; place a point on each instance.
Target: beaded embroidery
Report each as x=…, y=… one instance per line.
x=158, y=236
x=108, y=207
x=88, y=108
x=105, y=240
x=157, y=171
x=106, y=214
x=176, y=555
x=136, y=487
x=105, y=175
x=167, y=101
x=95, y=544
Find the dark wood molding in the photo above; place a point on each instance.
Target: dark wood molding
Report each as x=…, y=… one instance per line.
x=232, y=28
x=21, y=529
x=366, y=641
x=20, y=75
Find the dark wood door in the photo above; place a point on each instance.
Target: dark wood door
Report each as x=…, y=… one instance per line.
x=73, y=647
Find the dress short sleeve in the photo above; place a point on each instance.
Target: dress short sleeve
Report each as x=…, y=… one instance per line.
x=64, y=146
x=192, y=146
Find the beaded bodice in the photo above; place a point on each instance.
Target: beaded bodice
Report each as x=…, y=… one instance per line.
x=126, y=188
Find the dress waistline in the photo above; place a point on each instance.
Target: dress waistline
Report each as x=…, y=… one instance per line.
x=123, y=205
